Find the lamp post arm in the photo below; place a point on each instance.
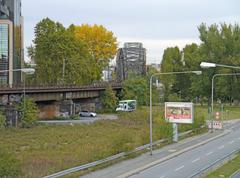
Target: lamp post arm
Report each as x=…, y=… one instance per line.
x=227, y=66
x=150, y=97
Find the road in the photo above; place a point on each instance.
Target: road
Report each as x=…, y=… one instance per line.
x=180, y=159
x=82, y=120
x=187, y=164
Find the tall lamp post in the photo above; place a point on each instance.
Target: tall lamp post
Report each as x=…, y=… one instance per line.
x=28, y=71
x=25, y=71
x=151, y=78
x=207, y=65
x=216, y=75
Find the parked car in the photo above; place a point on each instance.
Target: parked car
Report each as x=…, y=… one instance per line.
x=87, y=114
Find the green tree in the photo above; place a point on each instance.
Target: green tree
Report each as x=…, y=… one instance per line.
x=109, y=99
x=136, y=88
x=172, y=62
x=220, y=44
x=29, y=112
x=61, y=58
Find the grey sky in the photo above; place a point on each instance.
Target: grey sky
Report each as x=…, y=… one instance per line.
x=156, y=23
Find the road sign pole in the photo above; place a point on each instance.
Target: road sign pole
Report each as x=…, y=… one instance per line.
x=175, y=132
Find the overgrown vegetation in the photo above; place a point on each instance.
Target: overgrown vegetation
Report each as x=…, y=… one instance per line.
x=2, y=120
x=9, y=165
x=43, y=150
x=109, y=99
x=29, y=111
x=226, y=170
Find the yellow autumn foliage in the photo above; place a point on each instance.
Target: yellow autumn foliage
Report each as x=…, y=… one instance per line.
x=101, y=43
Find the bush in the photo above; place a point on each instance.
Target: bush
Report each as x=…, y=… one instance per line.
x=9, y=165
x=2, y=120
x=29, y=112
x=109, y=99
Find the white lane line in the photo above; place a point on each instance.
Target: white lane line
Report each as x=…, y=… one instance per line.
x=211, y=152
x=231, y=142
x=238, y=138
x=179, y=168
x=221, y=147
x=162, y=177
x=171, y=151
x=195, y=160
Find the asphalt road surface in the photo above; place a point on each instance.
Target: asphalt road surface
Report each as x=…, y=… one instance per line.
x=81, y=120
x=188, y=163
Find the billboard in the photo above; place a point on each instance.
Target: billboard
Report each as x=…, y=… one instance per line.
x=178, y=112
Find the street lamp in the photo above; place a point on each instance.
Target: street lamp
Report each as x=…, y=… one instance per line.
x=28, y=71
x=25, y=71
x=151, y=78
x=214, y=76
x=207, y=65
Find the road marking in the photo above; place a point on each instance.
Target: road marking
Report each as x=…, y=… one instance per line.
x=231, y=142
x=221, y=147
x=211, y=152
x=179, y=168
x=162, y=177
x=195, y=160
x=171, y=151
x=238, y=138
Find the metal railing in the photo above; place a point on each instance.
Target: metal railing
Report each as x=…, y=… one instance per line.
x=213, y=166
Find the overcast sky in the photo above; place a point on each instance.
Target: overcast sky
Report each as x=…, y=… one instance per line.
x=156, y=23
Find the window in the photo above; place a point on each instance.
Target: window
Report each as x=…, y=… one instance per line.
x=4, y=49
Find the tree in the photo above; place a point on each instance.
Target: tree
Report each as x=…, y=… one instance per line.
x=172, y=62
x=29, y=112
x=109, y=99
x=220, y=44
x=59, y=57
x=136, y=88
x=101, y=43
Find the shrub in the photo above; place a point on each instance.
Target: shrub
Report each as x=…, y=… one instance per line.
x=109, y=99
x=29, y=112
x=2, y=120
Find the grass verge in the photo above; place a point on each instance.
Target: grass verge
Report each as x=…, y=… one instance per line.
x=226, y=170
x=44, y=150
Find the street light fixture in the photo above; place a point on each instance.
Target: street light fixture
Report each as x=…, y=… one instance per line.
x=151, y=78
x=207, y=65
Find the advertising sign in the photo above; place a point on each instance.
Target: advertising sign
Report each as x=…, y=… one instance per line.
x=178, y=112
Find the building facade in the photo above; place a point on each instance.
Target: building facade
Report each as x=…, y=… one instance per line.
x=131, y=59
x=11, y=41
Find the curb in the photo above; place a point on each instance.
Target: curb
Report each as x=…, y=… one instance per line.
x=135, y=171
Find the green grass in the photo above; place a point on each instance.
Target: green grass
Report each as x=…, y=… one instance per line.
x=227, y=169
x=43, y=150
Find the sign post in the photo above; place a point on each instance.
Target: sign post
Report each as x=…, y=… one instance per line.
x=175, y=132
x=178, y=113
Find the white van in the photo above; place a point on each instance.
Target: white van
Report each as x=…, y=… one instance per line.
x=127, y=105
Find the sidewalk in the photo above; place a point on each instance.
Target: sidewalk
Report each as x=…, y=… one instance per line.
x=145, y=160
